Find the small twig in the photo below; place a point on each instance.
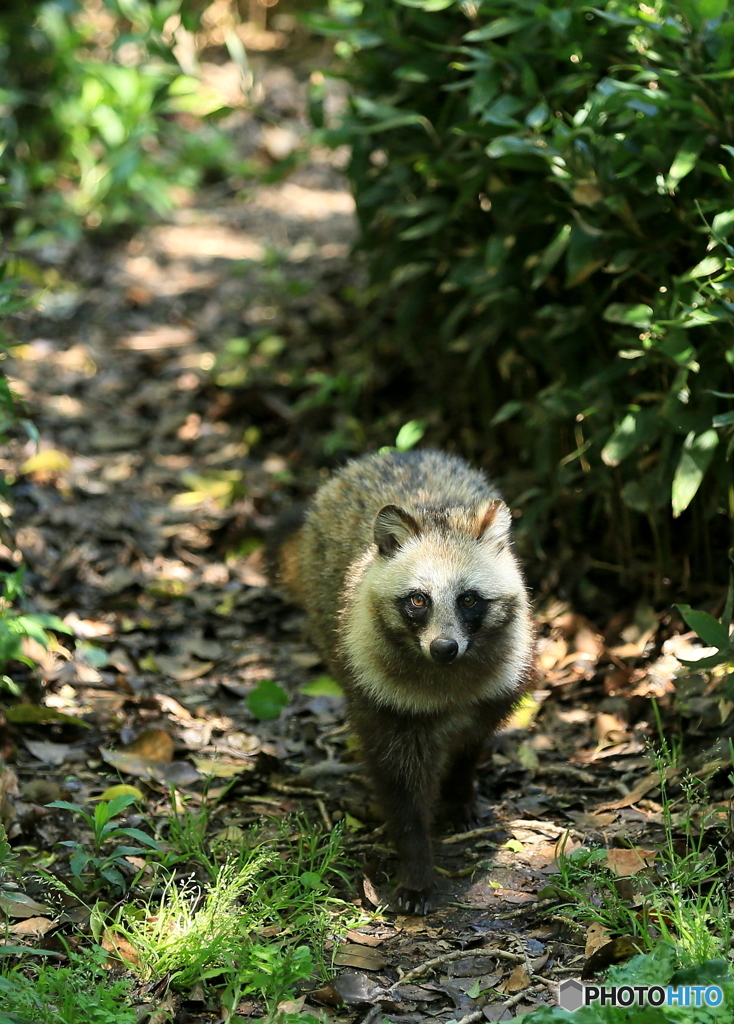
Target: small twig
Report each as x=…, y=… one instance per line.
x=457, y=954
x=526, y=908
x=470, y=1017
x=513, y=1001
x=566, y=769
x=328, y=823
x=459, y=837
x=312, y=771
x=259, y=800
x=283, y=787
x=519, y=996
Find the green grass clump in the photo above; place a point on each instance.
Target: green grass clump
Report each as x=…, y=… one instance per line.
x=257, y=927
x=82, y=993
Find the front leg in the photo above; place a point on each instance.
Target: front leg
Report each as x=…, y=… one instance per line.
x=458, y=798
x=402, y=763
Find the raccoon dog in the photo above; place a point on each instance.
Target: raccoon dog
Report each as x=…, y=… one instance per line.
x=405, y=567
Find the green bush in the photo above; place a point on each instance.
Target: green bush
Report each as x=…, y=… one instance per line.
x=545, y=197
x=90, y=109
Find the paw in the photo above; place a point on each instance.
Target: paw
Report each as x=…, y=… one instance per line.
x=412, y=901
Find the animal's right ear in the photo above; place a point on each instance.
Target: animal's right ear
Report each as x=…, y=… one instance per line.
x=393, y=527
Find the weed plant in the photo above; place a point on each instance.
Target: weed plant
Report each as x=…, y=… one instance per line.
x=15, y=625
x=683, y=901
x=97, y=868
x=257, y=927
x=81, y=993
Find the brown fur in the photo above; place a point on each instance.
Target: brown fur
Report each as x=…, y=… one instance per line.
x=384, y=528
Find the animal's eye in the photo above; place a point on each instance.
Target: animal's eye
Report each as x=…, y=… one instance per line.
x=418, y=600
x=467, y=600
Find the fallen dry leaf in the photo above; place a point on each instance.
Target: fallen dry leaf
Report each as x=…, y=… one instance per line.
x=596, y=937
x=120, y=949
x=219, y=769
x=49, y=753
x=17, y=904
x=628, y=862
x=615, y=952
x=365, y=940
x=362, y=957
x=35, y=926
x=152, y=744
x=609, y=728
x=518, y=981
x=357, y=988
x=183, y=670
x=152, y=749
x=636, y=793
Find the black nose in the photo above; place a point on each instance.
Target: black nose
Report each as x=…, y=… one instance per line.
x=443, y=651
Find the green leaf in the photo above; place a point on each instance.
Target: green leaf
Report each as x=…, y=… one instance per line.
x=584, y=255
x=550, y=256
x=728, y=612
x=684, y=161
x=23, y=951
x=311, y=880
x=424, y=227
x=511, y=145
x=64, y=805
x=136, y=833
x=123, y=851
x=707, y=266
x=711, y=8
x=506, y=412
x=638, y=315
x=97, y=657
x=267, y=700
x=119, y=803
x=410, y=434
x=496, y=29
x=35, y=714
x=723, y=223
x=722, y=658
x=427, y=5
x=645, y=495
x=638, y=428
x=113, y=876
x=695, y=458
x=712, y=632
x=323, y=686
x=77, y=863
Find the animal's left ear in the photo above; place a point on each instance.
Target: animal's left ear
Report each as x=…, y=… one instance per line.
x=493, y=521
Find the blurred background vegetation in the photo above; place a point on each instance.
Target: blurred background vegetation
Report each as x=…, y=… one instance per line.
x=545, y=202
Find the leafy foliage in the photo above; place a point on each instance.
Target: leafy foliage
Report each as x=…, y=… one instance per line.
x=545, y=196
x=267, y=700
x=97, y=869
x=15, y=625
x=89, y=114
x=713, y=632
x=78, y=994
x=257, y=928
